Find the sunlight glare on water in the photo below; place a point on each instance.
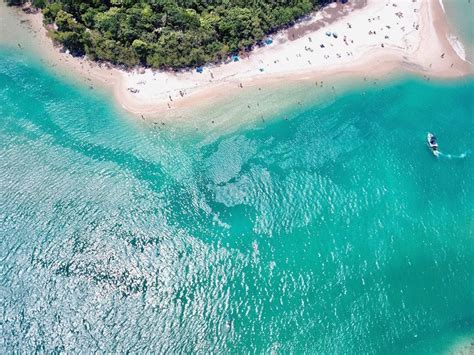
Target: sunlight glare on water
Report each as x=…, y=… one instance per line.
x=335, y=231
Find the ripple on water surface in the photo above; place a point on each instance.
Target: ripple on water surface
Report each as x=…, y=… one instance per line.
x=335, y=231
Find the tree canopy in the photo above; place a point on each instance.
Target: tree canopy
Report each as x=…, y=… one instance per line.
x=166, y=33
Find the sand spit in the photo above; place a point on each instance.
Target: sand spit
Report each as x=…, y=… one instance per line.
x=362, y=38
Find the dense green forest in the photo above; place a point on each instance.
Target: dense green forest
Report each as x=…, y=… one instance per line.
x=166, y=33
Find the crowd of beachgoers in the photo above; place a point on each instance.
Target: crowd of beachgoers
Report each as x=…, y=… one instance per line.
x=361, y=37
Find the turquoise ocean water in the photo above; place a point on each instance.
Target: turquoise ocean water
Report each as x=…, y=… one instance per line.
x=335, y=231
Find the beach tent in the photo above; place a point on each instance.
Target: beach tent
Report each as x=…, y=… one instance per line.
x=199, y=69
x=235, y=58
x=268, y=41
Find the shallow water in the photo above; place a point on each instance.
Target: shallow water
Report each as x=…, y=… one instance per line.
x=335, y=231
x=460, y=15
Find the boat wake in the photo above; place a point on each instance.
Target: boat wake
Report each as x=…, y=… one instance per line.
x=451, y=156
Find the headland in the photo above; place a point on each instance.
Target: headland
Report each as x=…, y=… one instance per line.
x=362, y=38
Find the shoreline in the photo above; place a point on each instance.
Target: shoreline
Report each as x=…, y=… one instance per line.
x=417, y=51
x=373, y=39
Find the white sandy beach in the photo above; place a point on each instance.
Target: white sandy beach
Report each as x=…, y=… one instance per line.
x=365, y=38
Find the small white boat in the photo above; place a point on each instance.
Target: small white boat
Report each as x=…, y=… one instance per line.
x=433, y=144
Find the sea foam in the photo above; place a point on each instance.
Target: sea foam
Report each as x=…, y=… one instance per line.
x=457, y=46
x=442, y=5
